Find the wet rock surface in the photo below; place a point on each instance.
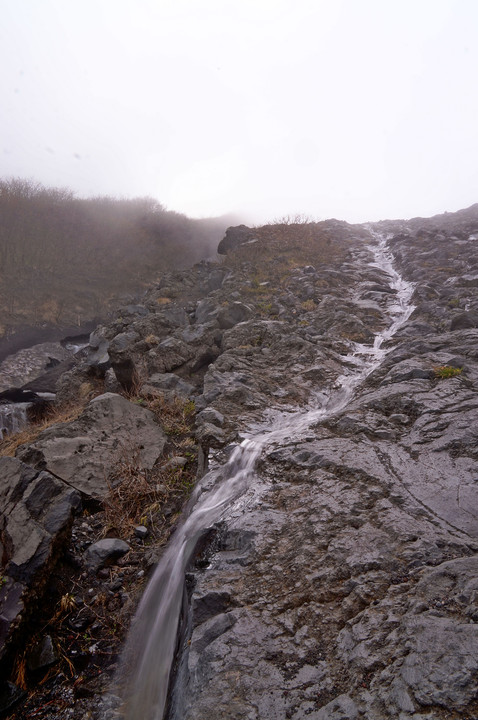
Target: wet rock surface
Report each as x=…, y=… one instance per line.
x=342, y=582
x=356, y=597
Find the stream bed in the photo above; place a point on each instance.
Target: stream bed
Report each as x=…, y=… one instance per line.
x=150, y=650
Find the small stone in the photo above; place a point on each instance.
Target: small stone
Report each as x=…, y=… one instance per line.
x=211, y=415
x=399, y=418
x=42, y=655
x=80, y=622
x=105, y=552
x=176, y=462
x=141, y=531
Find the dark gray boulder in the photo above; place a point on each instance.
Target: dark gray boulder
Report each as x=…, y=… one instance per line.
x=341, y=708
x=42, y=655
x=122, y=361
x=98, y=346
x=215, y=279
x=233, y=314
x=206, y=311
x=209, y=435
x=235, y=236
x=82, y=452
x=464, y=321
x=171, y=383
x=132, y=311
x=210, y=415
x=35, y=518
x=171, y=353
x=105, y=552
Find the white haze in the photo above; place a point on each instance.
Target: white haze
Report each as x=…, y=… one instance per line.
x=359, y=109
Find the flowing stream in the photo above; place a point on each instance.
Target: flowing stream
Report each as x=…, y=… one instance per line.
x=150, y=649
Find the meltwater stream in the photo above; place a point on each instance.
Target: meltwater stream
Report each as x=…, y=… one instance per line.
x=146, y=663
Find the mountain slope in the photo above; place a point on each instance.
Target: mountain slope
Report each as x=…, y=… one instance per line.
x=331, y=560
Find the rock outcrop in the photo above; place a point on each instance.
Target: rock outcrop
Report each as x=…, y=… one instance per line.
x=234, y=238
x=37, y=514
x=82, y=452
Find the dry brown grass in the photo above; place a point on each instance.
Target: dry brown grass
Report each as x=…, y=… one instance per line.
x=308, y=305
x=138, y=495
x=9, y=445
x=174, y=414
x=151, y=339
x=129, y=494
x=20, y=672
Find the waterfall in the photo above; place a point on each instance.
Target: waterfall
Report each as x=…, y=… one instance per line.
x=145, y=670
x=13, y=417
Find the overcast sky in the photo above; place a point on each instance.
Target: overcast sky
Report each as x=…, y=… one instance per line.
x=355, y=109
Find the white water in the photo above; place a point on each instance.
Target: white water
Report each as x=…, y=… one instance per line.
x=75, y=347
x=13, y=417
x=152, y=641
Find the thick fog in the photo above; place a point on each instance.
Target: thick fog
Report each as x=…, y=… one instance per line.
x=359, y=109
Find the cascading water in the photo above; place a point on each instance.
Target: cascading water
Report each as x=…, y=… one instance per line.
x=13, y=417
x=151, y=645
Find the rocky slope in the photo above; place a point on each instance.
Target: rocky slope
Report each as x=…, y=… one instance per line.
x=340, y=579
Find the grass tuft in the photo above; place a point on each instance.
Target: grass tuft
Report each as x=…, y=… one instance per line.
x=308, y=305
x=139, y=496
x=444, y=372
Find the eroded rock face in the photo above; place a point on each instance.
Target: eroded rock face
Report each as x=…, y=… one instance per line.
x=36, y=515
x=82, y=452
x=235, y=236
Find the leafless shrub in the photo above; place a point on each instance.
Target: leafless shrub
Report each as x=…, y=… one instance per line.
x=296, y=219
x=63, y=258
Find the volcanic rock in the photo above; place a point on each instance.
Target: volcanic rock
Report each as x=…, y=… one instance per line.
x=83, y=451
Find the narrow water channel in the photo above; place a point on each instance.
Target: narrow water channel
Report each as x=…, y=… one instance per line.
x=148, y=657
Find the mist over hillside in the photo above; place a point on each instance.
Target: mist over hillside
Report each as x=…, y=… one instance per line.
x=65, y=260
